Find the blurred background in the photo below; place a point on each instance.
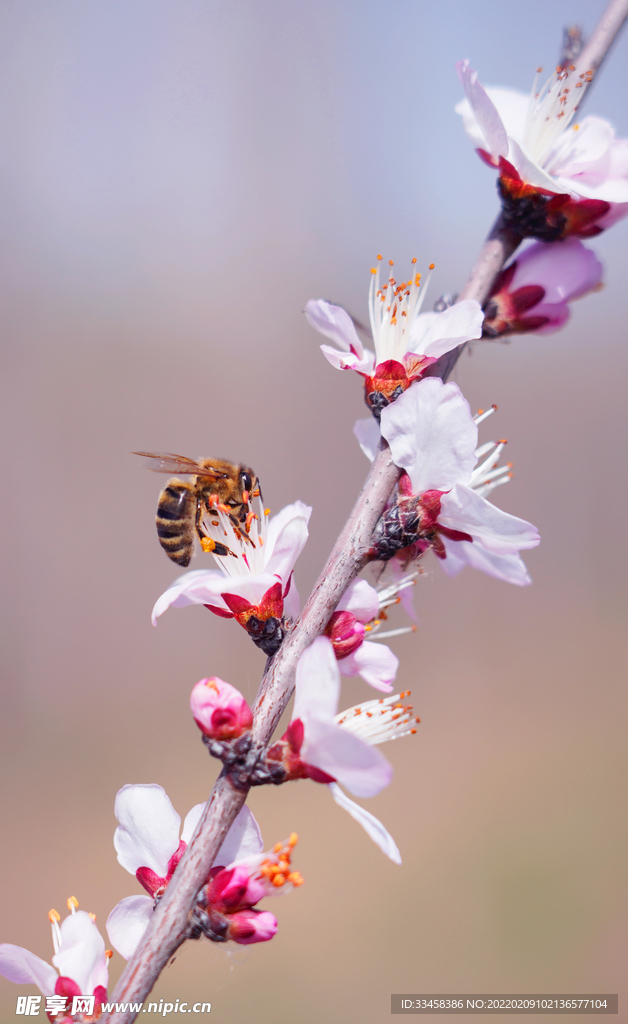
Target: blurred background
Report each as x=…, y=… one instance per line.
x=177, y=180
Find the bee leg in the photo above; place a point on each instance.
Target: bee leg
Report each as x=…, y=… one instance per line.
x=214, y=547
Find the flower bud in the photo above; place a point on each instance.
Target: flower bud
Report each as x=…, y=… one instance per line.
x=219, y=710
x=232, y=889
x=345, y=633
x=249, y=926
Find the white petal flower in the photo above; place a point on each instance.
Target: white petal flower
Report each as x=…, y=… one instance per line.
x=533, y=139
x=406, y=340
x=79, y=955
x=433, y=437
x=147, y=843
x=252, y=570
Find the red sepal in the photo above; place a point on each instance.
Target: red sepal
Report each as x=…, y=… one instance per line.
x=224, y=614
x=316, y=775
x=486, y=157
x=294, y=735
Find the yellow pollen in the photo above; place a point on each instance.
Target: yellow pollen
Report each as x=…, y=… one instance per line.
x=538, y=71
x=277, y=847
x=413, y=732
x=379, y=256
x=391, y=263
x=278, y=881
x=72, y=902
x=266, y=511
x=108, y=953
x=92, y=917
x=414, y=259
x=480, y=412
x=394, y=320
x=502, y=440
x=296, y=878
x=54, y=915
x=211, y=683
x=575, y=127
x=261, y=541
x=373, y=270
x=431, y=266
x=417, y=280
x=293, y=840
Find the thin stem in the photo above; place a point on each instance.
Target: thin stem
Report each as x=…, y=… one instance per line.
x=603, y=37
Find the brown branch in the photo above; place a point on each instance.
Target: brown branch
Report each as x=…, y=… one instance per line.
x=169, y=926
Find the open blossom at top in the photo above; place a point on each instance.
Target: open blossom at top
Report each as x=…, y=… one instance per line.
x=434, y=438
x=79, y=957
x=148, y=846
x=558, y=176
x=406, y=341
x=533, y=292
x=254, y=583
x=333, y=748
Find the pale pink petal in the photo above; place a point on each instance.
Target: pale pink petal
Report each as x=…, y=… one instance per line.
x=577, y=149
x=368, y=435
x=369, y=823
x=433, y=334
x=192, y=819
x=243, y=840
x=564, y=269
x=127, y=923
x=201, y=586
x=509, y=568
x=432, y=434
x=317, y=688
x=361, y=599
x=340, y=360
x=82, y=952
x=375, y=662
x=360, y=767
x=287, y=536
x=335, y=323
x=495, y=530
x=24, y=968
x=489, y=124
x=291, y=600
x=557, y=314
x=530, y=171
x=148, y=834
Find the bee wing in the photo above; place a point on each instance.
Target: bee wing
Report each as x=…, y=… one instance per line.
x=167, y=462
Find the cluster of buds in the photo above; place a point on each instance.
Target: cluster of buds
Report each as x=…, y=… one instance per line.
x=225, y=907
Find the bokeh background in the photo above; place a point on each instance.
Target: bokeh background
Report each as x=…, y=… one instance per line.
x=177, y=180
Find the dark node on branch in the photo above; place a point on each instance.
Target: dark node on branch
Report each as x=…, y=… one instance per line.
x=397, y=529
x=203, y=922
x=376, y=401
x=444, y=301
x=267, y=634
x=245, y=763
x=528, y=216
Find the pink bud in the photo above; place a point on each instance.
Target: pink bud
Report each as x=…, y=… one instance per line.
x=249, y=926
x=219, y=710
x=345, y=633
x=232, y=888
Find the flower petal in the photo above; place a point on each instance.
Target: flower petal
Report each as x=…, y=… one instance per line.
x=243, y=839
x=192, y=819
x=24, y=968
x=432, y=434
x=368, y=435
x=149, y=828
x=127, y=923
x=509, y=568
x=82, y=953
x=317, y=689
x=369, y=823
x=335, y=323
x=481, y=120
x=564, y=269
x=495, y=530
x=287, y=536
x=375, y=662
x=357, y=765
x=361, y=599
x=433, y=334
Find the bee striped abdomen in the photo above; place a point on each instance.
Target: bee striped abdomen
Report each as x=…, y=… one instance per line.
x=175, y=519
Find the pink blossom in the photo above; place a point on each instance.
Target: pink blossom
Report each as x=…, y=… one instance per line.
x=433, y=437
x=349, y=629
x=556, y=177
x=219, y=710
x=247, y=926
x=148, y=846
x=533, y=292
x=79, y=957
x=406, y=341
x=254, y=583
x=329, y=748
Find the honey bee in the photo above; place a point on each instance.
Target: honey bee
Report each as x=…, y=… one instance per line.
x=216, y=485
